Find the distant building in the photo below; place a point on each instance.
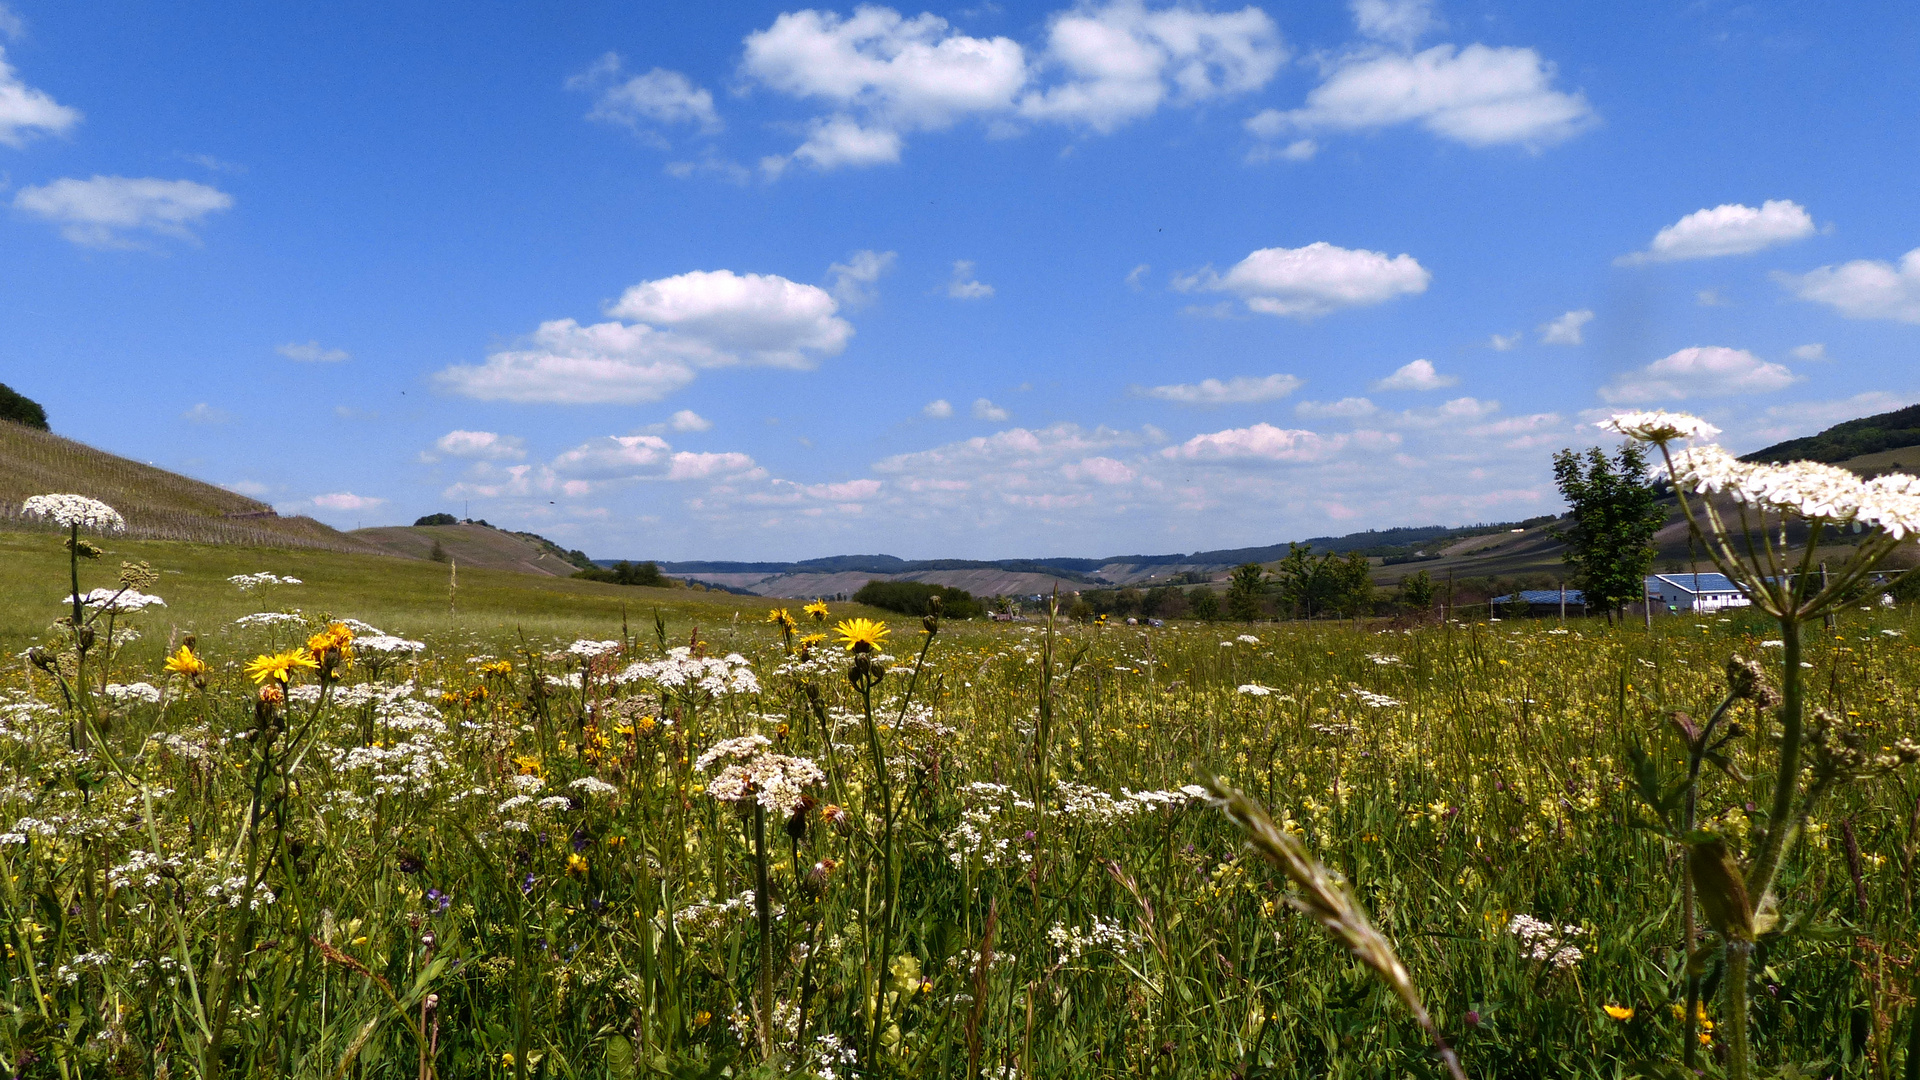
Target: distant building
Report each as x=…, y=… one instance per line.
x=1541, y=602
x=1698, y=593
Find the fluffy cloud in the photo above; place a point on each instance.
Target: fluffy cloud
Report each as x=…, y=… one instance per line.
x=99, y=212
x=1417, y=375
x=1346, y=409
x=964, y=286
x=1261, y=442
x=1314, y=280
x=852, y=282
x=1816, y=353
x=1702, y=371
x=1478, y=95
x=1864, y=288
x=312, y=353
x=645, y=457
x=688, y=420
x=938, y=409
x=678, y=325
x=24, y=111
x=987, y=410
x=1240, y=390
x=346, y=500
x=1727, y=229
x=659, y=97
x=1397, y=22
x=481, y=446
x=1567, y=329
x=1122, y=61
x=883, y=76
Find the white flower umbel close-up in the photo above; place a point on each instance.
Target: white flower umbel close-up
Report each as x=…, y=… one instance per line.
x=75, y=510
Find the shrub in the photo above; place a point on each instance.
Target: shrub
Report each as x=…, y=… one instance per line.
x=21, y=409
x=436, y=519
x=627, y=573
x=910, y=598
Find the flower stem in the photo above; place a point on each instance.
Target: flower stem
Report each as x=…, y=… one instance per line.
x=763, y=903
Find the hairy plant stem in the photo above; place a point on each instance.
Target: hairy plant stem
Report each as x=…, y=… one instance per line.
x=763, y=905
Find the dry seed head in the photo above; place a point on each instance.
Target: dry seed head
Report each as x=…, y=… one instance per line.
x=1747, y=679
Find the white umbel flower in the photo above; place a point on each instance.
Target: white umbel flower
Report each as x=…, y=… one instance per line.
x=72, y=510
x=122, y=600
x=1659, y=426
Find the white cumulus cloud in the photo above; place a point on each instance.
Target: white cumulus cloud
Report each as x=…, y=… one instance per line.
x=1417, y=375
x=312, y=352
x=659, y=97
x=100, y=211
x=964, y=286
x=1314, y=280
x=25, y=111
x=1727, y=229
x=677, y=326
x=1261, y=442
x=1397, y=22
x=1567, y=329
x=481, y=445
x=1348, y=408
x=1477, y=95
x=852, y=282
x=688, y=420
x=1864, y=288
x=938, y=409
x=1121, y=61
x=1240, y=390
x=987, y=410
x=1701, y=371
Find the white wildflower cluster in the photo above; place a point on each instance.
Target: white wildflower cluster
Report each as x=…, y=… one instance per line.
x=828, y=1054
x=122, y=600
x=1071, y=943
x=714, y=914
x=744, y=748
x=233, y=892
x=1254, y=689
x=1807, y=489
x=70, y=972
x=1542, y=942
x=587, y=650
x=1384, y=659
x=570, y=681
x=1247, y=639
x=143, y=869
x=685, y=673
x=1659, y=426
x=250, y=582
x=1188, y=793
x=775, y=781
x=1091, y=806
x=593, y=785
x=269, y=619
x=26, y=828
x=979, y=836
x=1373, y=700
x=387, y=643
x=70, y=510
x=412, y=760
x=123, y=693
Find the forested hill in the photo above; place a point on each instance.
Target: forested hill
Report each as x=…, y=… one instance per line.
x=1851, y=439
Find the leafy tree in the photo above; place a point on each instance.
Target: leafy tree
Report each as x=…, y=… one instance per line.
x=1353, y=580
x=436, y=519
x=910, y=598
x=1245, y=590
x=21, y=409
x=1203, y=604
x=1615, y=513
x=1417, y=591
x=438, y=554
x=1316, y=584
x=646, y=574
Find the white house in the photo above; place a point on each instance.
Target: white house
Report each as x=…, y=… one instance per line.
x=1698, y=593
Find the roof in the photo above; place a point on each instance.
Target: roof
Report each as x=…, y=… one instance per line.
x=1542, y=596
x=1694, y=583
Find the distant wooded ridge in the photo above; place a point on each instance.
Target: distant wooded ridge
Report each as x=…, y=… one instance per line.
x=1868, y=435
x=1373, y=542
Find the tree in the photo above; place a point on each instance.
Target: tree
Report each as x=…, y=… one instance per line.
x=1245, y=591
x=438, y=554
x=1353, y=583
x=627, y=573
x=1417, y=591
x=21, y=409
x=436, y=519
x=1203, y=604
x=1615, y=513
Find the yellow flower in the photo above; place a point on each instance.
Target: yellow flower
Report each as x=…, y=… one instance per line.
x=279, y=667
x=862, y=635
x=528, y=766
x=1620, y=1012
x=817, y=611
x=185, y=663
x=576, y=863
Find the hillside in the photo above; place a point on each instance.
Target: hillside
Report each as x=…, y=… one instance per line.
x=158, y=505
x=472, y=544
x=1850, y=439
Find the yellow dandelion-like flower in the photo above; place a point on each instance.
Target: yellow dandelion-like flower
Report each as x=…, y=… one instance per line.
x=185, y=663
x=817, y=611
x=779, y=616
x=1620, y=1012
x=527, y=766
x=576, y=863
x=279, y=666
x=862, y=635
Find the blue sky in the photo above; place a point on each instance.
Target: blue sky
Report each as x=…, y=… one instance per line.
x=765, y=281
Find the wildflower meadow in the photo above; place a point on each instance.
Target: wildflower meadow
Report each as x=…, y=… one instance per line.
x=809, y=842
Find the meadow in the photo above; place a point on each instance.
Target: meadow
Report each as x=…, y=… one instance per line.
x=530, y=838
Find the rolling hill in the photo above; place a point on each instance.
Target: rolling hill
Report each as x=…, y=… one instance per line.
x=158, y=505
x=1839, y=444
x=472, y=543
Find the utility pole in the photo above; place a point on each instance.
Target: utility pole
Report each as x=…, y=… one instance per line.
x=1823, y=588
x=1563, y=602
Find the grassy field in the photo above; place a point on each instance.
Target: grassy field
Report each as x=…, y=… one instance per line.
x=509, y=855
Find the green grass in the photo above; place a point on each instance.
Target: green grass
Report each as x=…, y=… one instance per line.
x=1455, y=776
